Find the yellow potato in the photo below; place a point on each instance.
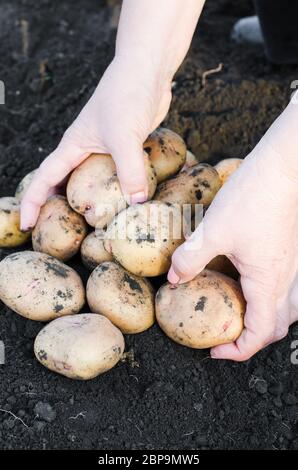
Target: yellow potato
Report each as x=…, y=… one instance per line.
x=196, y=185
x=225, y=168
x=39, y=287
x=79, y=346
x=167, y=152
x=93, y=251
x=94, y=190
x=10, y=233
x=24, y=185
x=59, y=230
x=202, y=313
x=143, y=237
x=127, y=300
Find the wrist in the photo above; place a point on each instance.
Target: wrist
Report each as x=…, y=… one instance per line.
x=156, y=35
x=148, y=73
x=274, y=170
x=282, y=138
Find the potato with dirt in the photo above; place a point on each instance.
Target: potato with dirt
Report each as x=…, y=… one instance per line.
x=202, y=313
x=167, y=152
x=225, y=168
x=59, y=230
x=39, y=287
x=195, y=185
x=24, y=185
x=11, y=235
x=127, y=300
x=93, y=251
x=143, y=237
x=94, y=190
x=79, y=346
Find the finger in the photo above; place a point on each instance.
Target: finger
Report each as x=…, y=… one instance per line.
x=192, y=257
x=130, y=163
x=50, y=173
x=259, y=330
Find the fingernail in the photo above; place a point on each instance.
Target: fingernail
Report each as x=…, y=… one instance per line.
x=25, y=230
x=108, y=247
x=137, y=197
x=213, y=355
x=173, y=278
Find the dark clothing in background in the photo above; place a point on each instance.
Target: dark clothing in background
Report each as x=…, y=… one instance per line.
x=279, y=22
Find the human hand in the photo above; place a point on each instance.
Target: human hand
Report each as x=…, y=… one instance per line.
x=254, y=221
x=131, y=100
x=128, y=104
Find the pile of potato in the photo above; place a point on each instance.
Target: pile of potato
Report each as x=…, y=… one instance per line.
x=123, y=250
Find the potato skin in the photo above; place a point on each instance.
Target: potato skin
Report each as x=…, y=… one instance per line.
x=79, y=346
x=24, y=185
x=39, y=287
x=202, y=313
x=142, y=250
x=10, y=233
x=167, y=152
x=127, y=300
x=94, y=190
x=93, y=251
x=59, y=230
x=225, y=168
x=196, y=185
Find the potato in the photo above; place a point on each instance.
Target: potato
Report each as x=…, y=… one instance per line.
x=39, y=287
x=125, y=299
x=10, y=233
x=24, y=185
x=196, y=185
x=167, y=152
x=225, y=168
x=59, y=230
x=79, y=346
x=93, y=251
x=94, y=190
x=143, y=237
x=202, y=313
x=223, y=265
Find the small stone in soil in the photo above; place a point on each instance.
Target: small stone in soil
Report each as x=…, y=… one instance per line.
x=45, y=411
x=276, y=389
x=289, y=399
x=261, y=387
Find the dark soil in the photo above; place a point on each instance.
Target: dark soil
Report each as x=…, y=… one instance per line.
x=177, y=398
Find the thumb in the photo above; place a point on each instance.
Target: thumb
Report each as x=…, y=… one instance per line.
x=259, y=322
x=51, y=172
x=192, y=257
x=129, y=158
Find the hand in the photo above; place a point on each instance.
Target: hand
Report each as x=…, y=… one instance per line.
x=254, y=221
x=128, y=104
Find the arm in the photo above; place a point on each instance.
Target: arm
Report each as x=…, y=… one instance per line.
x=131, y=100
x=254, y=221
x=157, y=33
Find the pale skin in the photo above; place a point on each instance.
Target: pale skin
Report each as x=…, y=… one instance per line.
x=254, y=217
